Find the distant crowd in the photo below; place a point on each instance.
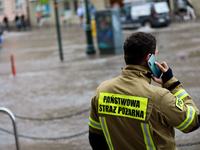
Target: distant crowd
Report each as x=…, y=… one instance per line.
x=19, y=23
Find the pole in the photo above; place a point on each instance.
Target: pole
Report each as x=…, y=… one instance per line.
x=28, y=13
x=90, y=46
x=171, y=5
x=58, y=29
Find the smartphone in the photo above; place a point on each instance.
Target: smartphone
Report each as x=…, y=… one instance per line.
x=156, y=71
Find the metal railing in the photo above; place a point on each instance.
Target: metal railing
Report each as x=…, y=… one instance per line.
x=5, y=110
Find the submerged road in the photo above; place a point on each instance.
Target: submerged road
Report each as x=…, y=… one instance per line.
x=51, y=99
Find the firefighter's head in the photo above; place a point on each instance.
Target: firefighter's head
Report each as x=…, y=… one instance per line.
x=138, y=47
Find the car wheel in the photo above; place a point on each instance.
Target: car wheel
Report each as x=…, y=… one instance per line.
x=147, y=24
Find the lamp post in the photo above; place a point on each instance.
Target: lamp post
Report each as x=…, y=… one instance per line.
x=90, y=46
x=58, y=29
x=28, y=13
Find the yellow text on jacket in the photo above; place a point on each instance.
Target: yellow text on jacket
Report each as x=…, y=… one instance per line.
x=123, y=105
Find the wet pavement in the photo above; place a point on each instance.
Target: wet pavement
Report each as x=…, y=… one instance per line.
x=44, y=87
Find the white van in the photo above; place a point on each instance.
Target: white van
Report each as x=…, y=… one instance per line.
x=152, y=14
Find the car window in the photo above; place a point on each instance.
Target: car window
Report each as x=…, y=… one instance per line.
x=141, y=10
x=161, y=7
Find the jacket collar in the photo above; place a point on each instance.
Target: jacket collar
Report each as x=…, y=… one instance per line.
x=132, y=71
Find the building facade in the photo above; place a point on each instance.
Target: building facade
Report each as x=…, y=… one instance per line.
x=11, y=8
x=66, y=9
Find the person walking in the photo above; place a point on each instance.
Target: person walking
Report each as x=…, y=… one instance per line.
x=17, y=22
x=190, y=9
x=38, y=17
x=92, y=10
x=5, y=20
x=23, y=22
x=128, y=112
x=80, y=12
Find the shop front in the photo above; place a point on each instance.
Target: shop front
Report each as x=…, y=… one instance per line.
x=66, y=11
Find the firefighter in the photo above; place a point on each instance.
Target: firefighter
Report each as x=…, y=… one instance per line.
x=128, y=112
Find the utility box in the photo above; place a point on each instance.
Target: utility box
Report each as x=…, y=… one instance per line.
x=109, y=33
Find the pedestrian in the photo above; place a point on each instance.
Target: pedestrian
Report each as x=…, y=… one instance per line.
x=190, y=9
x=128, y=112
x=181, y=5
x=23, y=22
x=92, y=10
x=5, y=20
x=17, y=22
x=1, y=32
x=116, y=4
x=80, y=12
x=38, y=16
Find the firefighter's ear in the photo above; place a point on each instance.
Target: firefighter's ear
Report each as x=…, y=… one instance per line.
x=148, y=56
x=146, y=59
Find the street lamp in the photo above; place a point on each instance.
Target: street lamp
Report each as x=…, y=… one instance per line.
x=90, y=46
x=58, y=29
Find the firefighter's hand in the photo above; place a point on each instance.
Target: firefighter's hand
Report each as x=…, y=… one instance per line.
x=164, y=68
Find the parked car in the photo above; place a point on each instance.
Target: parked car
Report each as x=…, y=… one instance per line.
x=152, y=14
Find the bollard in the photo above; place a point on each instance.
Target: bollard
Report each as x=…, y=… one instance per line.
x=12, y=64
x=93, y=26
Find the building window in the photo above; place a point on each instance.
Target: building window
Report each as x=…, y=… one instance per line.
x=1, y=7
x=18, y=6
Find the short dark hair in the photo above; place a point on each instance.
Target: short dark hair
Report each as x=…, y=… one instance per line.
x=137, y=46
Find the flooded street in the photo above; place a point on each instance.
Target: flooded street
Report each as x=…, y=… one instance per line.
x=51, y=99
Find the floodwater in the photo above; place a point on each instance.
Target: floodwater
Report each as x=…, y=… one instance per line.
x=46, y=88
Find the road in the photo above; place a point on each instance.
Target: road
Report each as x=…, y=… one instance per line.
x=46, y=88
